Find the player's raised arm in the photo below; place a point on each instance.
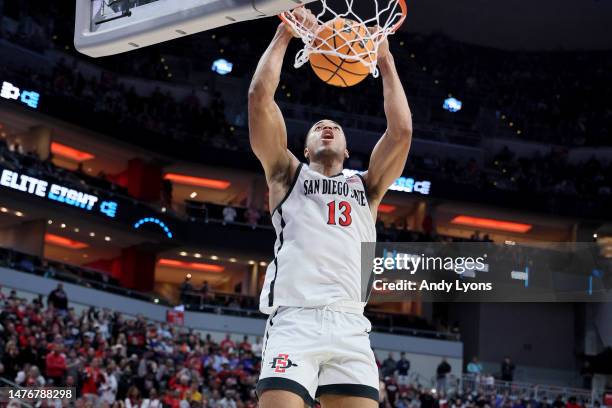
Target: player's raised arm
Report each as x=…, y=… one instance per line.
x=268, y=134
x=390, y=153
x=267, y=131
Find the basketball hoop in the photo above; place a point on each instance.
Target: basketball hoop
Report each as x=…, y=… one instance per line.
x=366, y=33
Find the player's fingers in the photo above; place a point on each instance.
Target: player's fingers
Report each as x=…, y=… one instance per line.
x=305, y=16
x=312, y=19
x=375, y=32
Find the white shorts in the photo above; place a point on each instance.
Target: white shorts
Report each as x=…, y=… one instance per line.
x=316, y=351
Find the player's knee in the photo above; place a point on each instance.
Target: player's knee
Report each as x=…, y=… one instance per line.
x=280, y=398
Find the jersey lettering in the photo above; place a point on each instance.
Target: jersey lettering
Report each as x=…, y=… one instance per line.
x=344, y=219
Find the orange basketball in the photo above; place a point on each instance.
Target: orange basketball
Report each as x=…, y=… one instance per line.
x=349, y=38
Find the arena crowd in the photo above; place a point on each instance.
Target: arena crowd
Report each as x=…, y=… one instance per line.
x=114, y=360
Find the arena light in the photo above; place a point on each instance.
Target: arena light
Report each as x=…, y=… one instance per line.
x=198, y=181
x=386, y=208
x=64, y=242
x=156, y=221
x=452, y=104
x=222, y=66
x=477, y=222
x=403, y=184
x=194, y=266
x=71, y=153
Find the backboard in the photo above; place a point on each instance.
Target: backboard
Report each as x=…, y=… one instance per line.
x=107, y=27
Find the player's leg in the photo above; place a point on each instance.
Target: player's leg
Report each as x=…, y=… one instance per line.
x=280, y=398
x=349, y=378
x=289, y=366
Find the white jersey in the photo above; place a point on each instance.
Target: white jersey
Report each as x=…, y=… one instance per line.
x=320, y=225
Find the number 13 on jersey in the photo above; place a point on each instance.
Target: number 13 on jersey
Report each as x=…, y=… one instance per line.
x=339, y=213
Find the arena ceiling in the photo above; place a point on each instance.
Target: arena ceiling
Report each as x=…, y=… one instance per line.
x=517, y=24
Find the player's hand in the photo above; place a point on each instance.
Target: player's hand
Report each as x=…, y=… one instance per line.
x=383, y=47
x=304, y=18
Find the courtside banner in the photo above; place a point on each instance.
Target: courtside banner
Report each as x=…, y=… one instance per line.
x=486, y=272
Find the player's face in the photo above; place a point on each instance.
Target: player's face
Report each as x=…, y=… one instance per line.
x=326, y=139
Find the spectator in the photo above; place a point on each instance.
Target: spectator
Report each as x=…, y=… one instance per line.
x=474, y=367
x=133, y=399
x=185, y=289
x=442, y=373
x=507, y=370
x=56, y=365
x=229, y=214
x=402, y=368
x=153, y=400
x=228, y=400
x=571, y=403
x=257, y=347
x=558, y=402
x=58, y=298
x=194, y=393
x=427, y=400
x=227, y=343
x=10, y=360
x=109, y=384
x=30, y=377
x=245, y=345
x=388, y=367
x=252, y=216
x=92, y=378
x=205, y=290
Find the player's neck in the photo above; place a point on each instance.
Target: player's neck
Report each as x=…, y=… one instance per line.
x=327, y=169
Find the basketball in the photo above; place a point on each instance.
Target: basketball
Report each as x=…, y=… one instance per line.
x=349, y=38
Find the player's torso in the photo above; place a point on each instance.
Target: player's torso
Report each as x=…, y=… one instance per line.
x=320, y=226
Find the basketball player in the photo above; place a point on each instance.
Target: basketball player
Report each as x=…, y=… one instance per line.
x=316, y=344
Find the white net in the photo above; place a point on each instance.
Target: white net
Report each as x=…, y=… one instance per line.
x=361, y=32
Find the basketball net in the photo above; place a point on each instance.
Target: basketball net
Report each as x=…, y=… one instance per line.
x=387, y=19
